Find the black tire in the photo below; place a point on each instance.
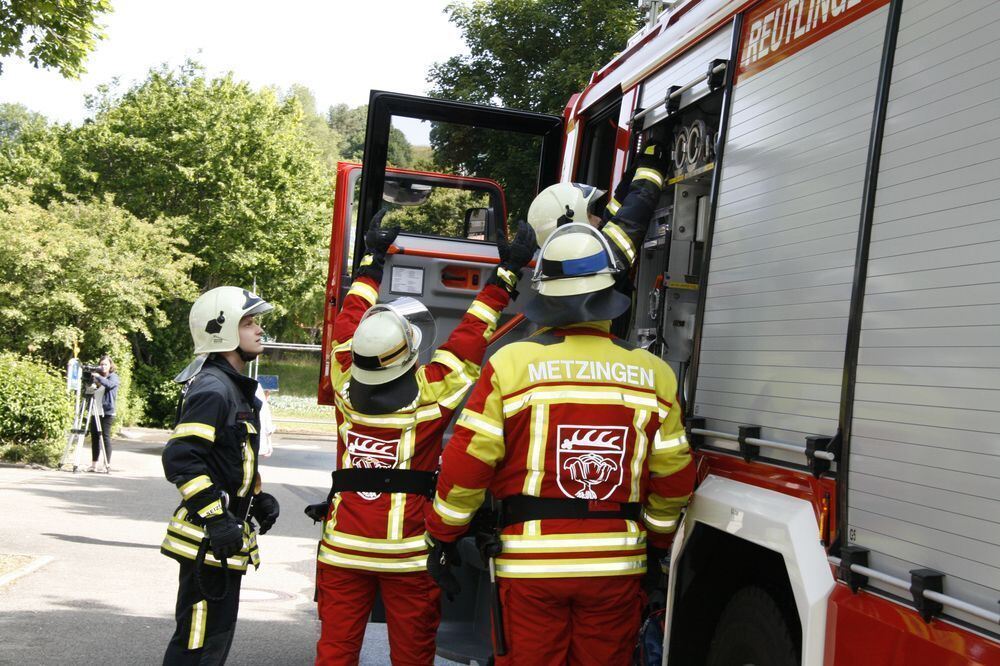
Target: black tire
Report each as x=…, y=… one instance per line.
x=752, y=631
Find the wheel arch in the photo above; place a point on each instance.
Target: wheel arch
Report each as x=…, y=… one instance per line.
x=734, y=535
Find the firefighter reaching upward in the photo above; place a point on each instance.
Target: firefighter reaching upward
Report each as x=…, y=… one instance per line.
x=580, y=436
x=391, y=416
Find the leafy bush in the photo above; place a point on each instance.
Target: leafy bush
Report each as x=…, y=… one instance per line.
x=34, y=411
x=159, y=395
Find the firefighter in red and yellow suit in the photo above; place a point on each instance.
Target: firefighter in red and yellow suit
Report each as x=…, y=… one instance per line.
x=580, y=436
x=391, y=417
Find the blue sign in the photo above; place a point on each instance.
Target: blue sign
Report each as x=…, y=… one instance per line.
x=268, y=382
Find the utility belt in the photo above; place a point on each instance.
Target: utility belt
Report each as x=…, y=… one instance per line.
x=522, y=508
x=386, y=480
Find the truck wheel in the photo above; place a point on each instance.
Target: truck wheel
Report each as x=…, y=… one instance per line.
x=752, y=632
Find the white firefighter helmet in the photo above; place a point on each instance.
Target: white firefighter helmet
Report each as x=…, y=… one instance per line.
x=216, y=314
x=388, y=340
x=560, y=204
x=575, y=277
x=214, y=321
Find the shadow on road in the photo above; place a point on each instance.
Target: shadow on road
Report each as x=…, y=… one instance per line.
x=100, y=542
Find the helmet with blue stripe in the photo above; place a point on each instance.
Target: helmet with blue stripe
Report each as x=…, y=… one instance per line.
x=575, y=277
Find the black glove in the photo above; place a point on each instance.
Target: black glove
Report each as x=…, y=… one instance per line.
x=654, y=580
x=317, y=511
x=265, y=510
x=377, y=244
x=513, y=257
x=443, y=556
x=225, y=535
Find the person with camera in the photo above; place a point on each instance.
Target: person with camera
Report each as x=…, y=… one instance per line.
x=211, y=457
x=105, y=376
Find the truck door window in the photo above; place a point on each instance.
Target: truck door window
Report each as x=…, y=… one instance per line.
x=484, y=165
x=597, y=147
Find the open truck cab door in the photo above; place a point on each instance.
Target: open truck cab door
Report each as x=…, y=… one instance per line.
x=449, y=222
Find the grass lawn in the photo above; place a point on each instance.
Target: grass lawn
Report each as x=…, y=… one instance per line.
x=298, y=379
x=298, y=374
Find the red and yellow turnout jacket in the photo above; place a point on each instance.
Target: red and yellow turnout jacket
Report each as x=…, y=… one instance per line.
x=570, y=413
x=384, y=531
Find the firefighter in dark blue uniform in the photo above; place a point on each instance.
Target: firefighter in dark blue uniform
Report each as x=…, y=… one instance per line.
x=212, y=459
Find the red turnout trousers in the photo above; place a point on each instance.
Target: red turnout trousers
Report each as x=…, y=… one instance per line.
x=346, y=596
x=570, y=621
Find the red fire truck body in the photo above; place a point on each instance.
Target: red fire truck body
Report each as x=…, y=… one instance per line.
x=822, y=273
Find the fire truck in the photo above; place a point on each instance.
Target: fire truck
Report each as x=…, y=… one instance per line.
x=823, y=274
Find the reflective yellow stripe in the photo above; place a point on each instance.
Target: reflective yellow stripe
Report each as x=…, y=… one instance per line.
x=645, y=173
x=479, y=423
x=671, y=443
x=199, y=618
x=404, y=564
x=536, y=450
x=578, y=394
x=187, y=529
x=403, y=421
x=450, y=511
x=248, y=470
x=195, y=486
x=354, y=542
x=211, y=509
x=364, y=291
x=202, y=430
x=569, y=568
x=446, y=358
x=190, y=552
x=250, y=428
x=658, y=525
x=455, y=391
x=621, y=239
x=397, y=501
x=613, y=206
x=555, y=543
x=642, y=417
x=484, y=313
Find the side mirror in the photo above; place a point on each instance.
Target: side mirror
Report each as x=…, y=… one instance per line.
x=404, y=193
x=479, y=224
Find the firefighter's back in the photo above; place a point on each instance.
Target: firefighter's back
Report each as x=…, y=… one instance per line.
x=580, y=409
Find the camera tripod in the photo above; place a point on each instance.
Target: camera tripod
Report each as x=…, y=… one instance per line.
x=77, y=435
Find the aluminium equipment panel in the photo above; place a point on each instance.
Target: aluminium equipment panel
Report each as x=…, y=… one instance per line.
x=924, y=482
x=683, y=71
x=785, y=238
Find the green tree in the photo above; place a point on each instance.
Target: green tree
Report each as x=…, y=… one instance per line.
x=235, y=165
x=83, y=273
x=443, y=214
x=327, y=140
x=87, y=275
x=50, y=33
x=351, y=123
x=524, y=54
x=30, y=153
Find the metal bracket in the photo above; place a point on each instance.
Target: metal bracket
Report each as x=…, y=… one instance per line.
x=930, y=580
x=814, y=443
x=749, y=451
x=850, y=555
x=695, y=441
x=672, y=103
x=716, y=79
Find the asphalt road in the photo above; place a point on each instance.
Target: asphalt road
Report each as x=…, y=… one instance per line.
x=106, y=596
